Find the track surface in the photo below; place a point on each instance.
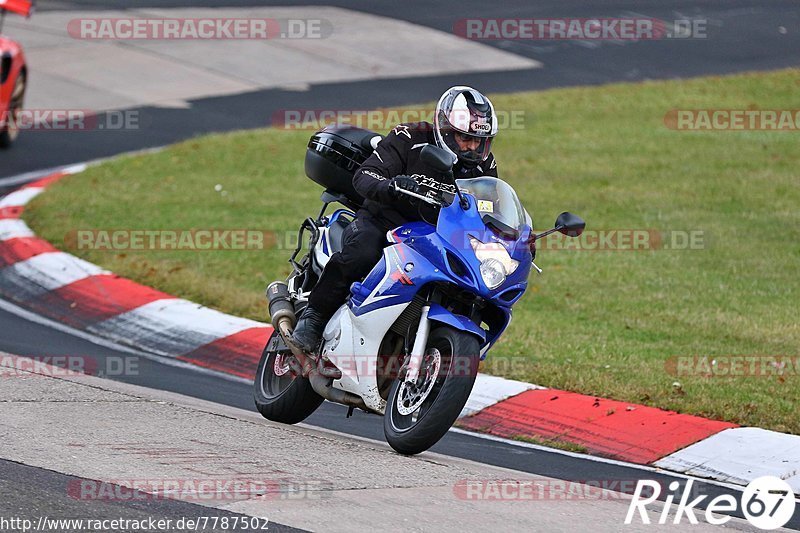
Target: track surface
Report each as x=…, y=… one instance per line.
x=745, y=36
x=214, y=388
x=30, y=493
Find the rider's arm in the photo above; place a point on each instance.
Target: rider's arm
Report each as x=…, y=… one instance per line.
x=388, y=160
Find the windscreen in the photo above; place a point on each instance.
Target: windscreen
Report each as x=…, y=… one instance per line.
x=498, y=203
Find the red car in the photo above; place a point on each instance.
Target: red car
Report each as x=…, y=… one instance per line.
x=13, y=74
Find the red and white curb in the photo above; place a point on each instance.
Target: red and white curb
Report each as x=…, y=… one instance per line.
x=740, y=455
x=69, y=290
x=41, y=279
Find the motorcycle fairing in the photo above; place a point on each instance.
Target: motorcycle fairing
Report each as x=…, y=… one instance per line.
x=438, y=313
x=425, y=254
x=330, y=240
x=351, y=343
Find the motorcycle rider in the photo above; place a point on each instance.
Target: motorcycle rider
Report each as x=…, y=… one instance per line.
x=465, y=125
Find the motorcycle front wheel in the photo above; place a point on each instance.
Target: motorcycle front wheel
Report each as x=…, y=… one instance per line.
x=419, y=414
x=279, y=395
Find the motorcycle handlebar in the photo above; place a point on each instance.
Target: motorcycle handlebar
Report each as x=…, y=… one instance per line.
x=415, y=195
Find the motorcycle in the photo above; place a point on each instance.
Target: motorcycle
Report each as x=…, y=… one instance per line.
x=408, y=341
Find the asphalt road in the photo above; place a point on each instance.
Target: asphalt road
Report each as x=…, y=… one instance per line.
x=31, y=493
x=190, y=382
x=742, y=36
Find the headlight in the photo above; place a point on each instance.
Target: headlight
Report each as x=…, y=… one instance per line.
x=494, y=250
x=493, y=273
x=496, y=263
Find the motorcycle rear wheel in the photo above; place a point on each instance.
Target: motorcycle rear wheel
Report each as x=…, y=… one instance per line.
x=417, y=417
x=279, y=395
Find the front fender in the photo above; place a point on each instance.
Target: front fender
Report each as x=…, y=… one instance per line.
x=459, y=322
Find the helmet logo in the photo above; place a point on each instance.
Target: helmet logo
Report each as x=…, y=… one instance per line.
x=481, y=127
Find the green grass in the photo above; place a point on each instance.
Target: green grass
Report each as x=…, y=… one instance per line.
x=601, y=322
x=552, y=443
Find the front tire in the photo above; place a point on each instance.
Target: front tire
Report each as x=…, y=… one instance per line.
x=418, y=416
x=10, y=131
x=279, y=395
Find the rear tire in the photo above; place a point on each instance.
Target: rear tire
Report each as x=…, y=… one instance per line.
x=10, y=131
x=415, y=432
x=279, y=395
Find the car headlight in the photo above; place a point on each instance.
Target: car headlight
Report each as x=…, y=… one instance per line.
x=496, y=262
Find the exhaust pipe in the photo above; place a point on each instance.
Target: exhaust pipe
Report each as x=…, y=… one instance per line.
x=280, y=305
x=322, y=386
x=283, y=319
x=281, y=311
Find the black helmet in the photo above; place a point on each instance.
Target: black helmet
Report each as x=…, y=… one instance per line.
x=464, y=111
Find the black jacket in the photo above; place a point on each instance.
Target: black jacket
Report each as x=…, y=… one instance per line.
x=398, y=154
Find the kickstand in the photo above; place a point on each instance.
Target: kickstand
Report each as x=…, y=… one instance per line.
x=350, y=411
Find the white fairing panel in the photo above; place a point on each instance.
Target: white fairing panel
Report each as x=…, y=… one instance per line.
x=320, y=257
x=352, y=343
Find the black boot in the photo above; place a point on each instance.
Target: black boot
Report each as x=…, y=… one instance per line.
x=308, y=331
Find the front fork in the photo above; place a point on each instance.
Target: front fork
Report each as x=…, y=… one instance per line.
x=418, y=350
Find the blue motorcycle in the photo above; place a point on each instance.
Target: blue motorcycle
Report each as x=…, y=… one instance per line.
x=408, y=341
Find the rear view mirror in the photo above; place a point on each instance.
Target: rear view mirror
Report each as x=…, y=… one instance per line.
x=569, y=224
x=438, y=158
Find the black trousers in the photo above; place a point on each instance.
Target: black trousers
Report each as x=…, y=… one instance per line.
x=362, y=246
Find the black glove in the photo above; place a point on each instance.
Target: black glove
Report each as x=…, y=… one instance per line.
x=402, y=182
